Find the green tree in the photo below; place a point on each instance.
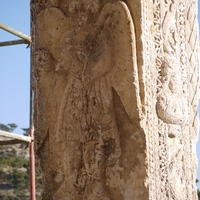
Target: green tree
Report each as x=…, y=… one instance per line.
x=20, y=179
x=14, y=168
x=12, y=127
x=198, y=191
x=9, y=127
x=26, y=131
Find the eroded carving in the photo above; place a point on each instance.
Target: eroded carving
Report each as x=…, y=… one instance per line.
x=87, y=98
x=170, y=97
x=43, y=60
x=173, y=101
x=86, y=120
x=95, y=125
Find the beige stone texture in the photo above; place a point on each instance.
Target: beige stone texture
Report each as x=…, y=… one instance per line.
x=115, y=98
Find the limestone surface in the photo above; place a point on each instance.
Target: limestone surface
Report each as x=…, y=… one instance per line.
x=115, y=98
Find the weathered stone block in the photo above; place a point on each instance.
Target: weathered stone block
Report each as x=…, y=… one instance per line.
x=114, y=97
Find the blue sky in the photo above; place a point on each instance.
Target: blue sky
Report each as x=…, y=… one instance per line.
x=15, y=67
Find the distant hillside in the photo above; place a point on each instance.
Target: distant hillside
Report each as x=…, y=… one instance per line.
x=14, y=173
x=14, y=169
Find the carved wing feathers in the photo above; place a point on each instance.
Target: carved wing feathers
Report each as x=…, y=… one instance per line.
x=50, y=35
x=124, y=76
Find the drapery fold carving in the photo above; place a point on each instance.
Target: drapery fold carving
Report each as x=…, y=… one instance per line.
x=85, y=72
x=115, y=98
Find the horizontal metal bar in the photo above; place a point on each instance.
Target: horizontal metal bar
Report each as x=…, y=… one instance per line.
x=14, y=136
x=15, y=32
x=12, y=42
x=9, y=142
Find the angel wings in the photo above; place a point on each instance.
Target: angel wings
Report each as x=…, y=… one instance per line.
x=93, y=77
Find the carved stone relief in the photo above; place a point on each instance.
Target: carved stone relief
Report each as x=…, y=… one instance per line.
x=85, y=72
x=111, y=98
x=170, y=106
x=173, y=101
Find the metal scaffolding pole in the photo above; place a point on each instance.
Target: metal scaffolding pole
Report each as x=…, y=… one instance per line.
x=25, y=38
x=13, y=138
x=16, y=138
x=32, y=165
x=8, y=138
x=15, y=32
x=12, y=42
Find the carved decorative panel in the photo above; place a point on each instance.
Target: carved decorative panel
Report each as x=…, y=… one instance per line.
x=177, y=98
x=90, y=144
x=115, y=98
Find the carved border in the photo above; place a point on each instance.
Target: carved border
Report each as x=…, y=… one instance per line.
x=190, y=87
x=192, y=45
x=150, y=87
x=162, y=151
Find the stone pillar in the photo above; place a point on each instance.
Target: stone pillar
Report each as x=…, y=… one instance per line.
x=115, y=98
